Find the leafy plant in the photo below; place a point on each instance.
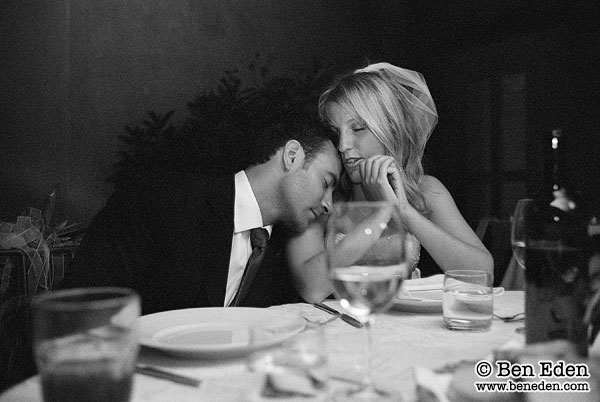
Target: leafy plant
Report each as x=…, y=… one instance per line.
x=215, y=134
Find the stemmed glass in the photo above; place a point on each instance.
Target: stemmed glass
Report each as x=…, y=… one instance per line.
x=518, y=232
x=366, y=260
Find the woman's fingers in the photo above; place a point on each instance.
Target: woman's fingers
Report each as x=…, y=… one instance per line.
x=384, y=170
x=395, y=176
x=375, y=169
x=383, y=179
x=376, y=177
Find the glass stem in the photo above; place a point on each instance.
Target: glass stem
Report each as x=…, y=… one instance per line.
x=369, y=378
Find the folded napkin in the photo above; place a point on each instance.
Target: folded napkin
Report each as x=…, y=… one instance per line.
x=429, y=288
x=435, y=282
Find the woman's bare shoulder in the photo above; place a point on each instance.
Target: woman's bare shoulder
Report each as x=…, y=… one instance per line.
x=431, y=186
x=436, y=195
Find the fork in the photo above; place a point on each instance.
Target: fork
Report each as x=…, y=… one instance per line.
x=511, y=318
x=345, y=317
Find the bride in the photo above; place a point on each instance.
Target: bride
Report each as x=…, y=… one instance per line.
x=383, y=116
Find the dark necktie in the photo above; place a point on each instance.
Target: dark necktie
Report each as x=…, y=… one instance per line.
x=258, y=242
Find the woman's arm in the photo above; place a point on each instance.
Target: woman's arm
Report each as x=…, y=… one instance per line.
x=446, y=235
x=307, y=259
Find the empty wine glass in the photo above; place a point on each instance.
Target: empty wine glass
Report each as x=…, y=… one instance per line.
x=518, y=232
x=366, y=261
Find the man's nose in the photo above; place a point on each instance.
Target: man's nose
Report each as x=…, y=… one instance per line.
x=326, y=203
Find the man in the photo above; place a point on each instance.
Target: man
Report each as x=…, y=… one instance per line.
x=185, y=242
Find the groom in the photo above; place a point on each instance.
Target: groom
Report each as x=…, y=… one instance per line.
x=185, y=241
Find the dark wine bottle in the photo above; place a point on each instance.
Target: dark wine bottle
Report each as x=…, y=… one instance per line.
x=562, y=197
x=557, y=285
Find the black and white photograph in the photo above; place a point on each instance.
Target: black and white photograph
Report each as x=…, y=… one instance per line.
x=299, y=201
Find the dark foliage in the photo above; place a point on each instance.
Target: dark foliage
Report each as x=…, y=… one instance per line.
x=217, y=134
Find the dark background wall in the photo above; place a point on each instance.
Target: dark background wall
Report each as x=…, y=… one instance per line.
x=504, y=74
x=73, y=74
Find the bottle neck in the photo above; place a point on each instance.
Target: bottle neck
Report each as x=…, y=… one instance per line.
x=561, y=198
x=557, y=182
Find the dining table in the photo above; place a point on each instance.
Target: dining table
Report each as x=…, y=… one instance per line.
x=403, y=340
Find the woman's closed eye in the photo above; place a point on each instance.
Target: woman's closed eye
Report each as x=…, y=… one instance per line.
x=358, y=129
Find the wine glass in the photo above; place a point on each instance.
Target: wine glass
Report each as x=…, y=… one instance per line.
x=366, y=261
x=518, y=232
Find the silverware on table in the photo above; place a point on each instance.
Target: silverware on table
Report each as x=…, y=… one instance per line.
x=327, y=321
x=511, y=318
x=345, y=317
x=166, y=375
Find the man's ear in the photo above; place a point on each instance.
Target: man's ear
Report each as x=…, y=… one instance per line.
x=293, y=155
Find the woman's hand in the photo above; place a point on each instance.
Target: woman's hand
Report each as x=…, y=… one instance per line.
x=382, y=180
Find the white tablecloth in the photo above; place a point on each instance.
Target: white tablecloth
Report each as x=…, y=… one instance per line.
x=402, y=341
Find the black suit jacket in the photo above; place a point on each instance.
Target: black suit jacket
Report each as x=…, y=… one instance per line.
x=171, y=241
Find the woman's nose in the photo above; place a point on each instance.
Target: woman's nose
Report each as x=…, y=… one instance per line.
x=345, y=142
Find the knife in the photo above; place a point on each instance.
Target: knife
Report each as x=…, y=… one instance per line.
x=166, y=375
x=345, y=317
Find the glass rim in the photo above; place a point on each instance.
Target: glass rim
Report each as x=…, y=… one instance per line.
x=84, y=298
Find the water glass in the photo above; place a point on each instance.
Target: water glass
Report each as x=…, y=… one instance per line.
x=468, y=301
x=297, y=368
x=86, y=343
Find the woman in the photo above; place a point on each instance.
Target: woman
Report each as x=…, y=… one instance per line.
x=383, y=116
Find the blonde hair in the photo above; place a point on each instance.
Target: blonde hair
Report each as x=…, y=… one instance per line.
x=396, y=106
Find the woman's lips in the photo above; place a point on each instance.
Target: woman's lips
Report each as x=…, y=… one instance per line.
x=352, y=162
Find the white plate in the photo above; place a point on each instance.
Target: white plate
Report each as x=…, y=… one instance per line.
x=217, y=332
x=424, y=301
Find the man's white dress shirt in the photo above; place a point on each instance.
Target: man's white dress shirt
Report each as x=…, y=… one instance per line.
x=246, y=217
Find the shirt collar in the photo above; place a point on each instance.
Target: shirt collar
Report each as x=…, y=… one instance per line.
x=246, y=210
